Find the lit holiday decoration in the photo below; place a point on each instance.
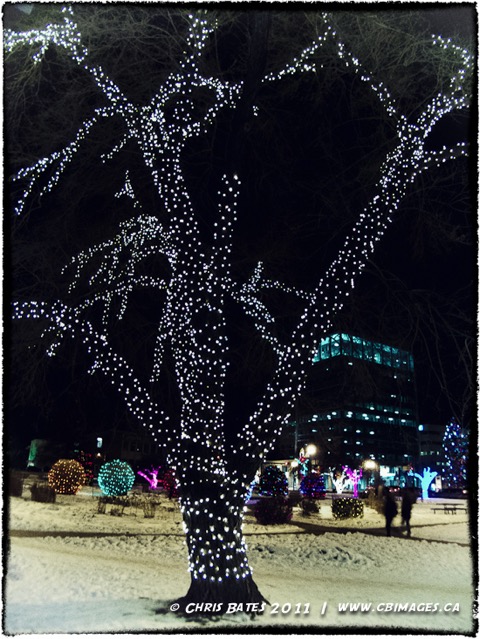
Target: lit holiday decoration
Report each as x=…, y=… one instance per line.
x=67, y=476
x=338, y=480
x=312, y=486
x=273, y=482
x=426, y=480
x=151, y=475
x=354, y=476
x=116, y=478
x=303, y=464
x=86, y=460
x=455, y=447
x=346, y=508
x=214, y=479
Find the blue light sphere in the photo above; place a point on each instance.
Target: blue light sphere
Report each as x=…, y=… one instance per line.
x=115, y=478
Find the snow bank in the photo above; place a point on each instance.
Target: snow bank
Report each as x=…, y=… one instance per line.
x=113, y=574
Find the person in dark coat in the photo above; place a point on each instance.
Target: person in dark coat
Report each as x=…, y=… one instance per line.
x=390, y=510
x=408, y=500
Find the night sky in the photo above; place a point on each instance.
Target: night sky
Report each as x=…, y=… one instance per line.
x=307, y=163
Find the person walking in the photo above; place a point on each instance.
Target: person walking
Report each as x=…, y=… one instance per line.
x=408, y=500
x=390, y=510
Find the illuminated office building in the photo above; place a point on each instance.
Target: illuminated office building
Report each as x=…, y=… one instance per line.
x=360, y=403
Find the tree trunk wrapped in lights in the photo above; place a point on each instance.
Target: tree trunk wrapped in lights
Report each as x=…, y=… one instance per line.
x=217, y=552
x=214, y=472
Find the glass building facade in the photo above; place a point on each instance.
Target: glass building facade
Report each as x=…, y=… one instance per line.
x=360, y=403
x=345, y=345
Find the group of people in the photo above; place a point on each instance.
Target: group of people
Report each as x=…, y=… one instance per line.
x=390, y=509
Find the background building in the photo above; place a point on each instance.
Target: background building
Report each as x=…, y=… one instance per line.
x=359, y=403
x=431, y=446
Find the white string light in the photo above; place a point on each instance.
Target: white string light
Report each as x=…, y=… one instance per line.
x=193, y=324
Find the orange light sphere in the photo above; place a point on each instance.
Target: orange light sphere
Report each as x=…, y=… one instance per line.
x=67, y=476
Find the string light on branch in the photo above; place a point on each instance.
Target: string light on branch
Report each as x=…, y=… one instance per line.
x=62, y=35
x=455, y=447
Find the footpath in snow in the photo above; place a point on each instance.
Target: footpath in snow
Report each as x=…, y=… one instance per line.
x=73, y=570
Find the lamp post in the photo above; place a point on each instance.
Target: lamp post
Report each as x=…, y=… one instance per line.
x=294, y=472
x=371, y=466
x=311, y=452
x=305, y=458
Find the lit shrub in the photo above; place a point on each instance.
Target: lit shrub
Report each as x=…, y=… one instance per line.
x=116, y=478
x=66, y=476
x=347, y=508
x=313, y=486
x=275, y=510
x=169, y=484
x=273, y=482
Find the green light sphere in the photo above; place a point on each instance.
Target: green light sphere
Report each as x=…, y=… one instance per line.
x=116, y=478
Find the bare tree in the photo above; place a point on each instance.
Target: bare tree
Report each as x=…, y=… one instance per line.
x=195, y=277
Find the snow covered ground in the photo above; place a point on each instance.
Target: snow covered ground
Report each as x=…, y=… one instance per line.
x=73, y=570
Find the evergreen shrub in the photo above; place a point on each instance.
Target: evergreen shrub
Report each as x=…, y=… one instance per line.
x=309, y=506
x=273, y=482
x=375, y=501
x=169, y=484
x=15, y=485
x=273, y=510
x=313, y=486
x=41, y=491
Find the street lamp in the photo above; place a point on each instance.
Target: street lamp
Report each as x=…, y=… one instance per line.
x=311, y=453
x=294, y=472
x=371, y=466
x=311, y=450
